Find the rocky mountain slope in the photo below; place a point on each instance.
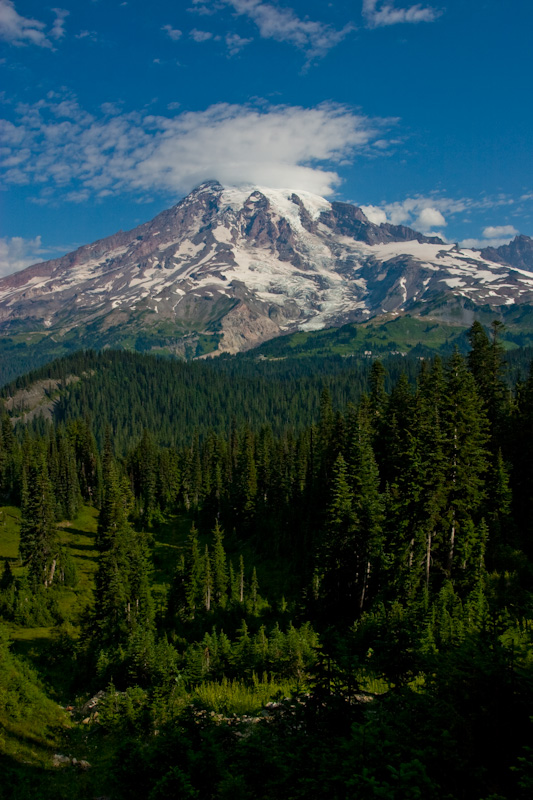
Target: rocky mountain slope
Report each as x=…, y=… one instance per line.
x=518, y=253
x=226, y=269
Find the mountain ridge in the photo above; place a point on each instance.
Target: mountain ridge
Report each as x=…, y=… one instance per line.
x=228, y=268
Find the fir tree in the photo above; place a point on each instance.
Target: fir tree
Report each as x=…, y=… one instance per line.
x=194, y=574
x=38, y=538
x=219, y=567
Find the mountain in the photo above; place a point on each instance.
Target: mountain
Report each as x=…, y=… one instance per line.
x=518, y=253
x=227, y=269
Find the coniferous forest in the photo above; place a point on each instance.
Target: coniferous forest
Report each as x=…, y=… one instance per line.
x=317, y=589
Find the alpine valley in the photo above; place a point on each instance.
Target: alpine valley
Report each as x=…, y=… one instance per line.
x=227, y=269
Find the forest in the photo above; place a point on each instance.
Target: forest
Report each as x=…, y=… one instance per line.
x=284, y=582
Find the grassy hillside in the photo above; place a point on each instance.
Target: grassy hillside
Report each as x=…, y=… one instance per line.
x=401, y=335
x=22, y=351
x=405, y=336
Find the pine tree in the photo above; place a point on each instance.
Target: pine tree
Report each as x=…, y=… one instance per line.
x=254, y=593
x=208, y=580
x=246, y=479
x=38, y=538
x=337, y=559
x=86, y=458
x=123, y=601
x=466, y=433
x=194, y=574
x=428, y=481
x=142, y=467
x=240, y=580
x=367, y=506
x=219, y=567
x=112, y=512
x=486, y=363
x=7, y=579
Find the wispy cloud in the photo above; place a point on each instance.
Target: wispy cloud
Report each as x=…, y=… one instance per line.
x=59, y=148
x=173, y=33
x=91, y=36
x=380, y=14
x=236, y=43
x=283, y=24
x=58, y=28
x=19, y=30
x=200, y=36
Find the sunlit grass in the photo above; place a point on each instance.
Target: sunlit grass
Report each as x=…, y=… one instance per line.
x=9, y=536
x=237, y=697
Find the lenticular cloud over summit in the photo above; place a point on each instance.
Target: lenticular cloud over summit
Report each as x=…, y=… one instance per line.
x=280, y=147
x=277, y=146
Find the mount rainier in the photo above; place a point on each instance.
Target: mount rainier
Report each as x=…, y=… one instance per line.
x=226, y=269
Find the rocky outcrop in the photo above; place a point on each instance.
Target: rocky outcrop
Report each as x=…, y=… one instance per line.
x=518, y=253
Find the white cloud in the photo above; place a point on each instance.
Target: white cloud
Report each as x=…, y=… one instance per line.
x=493, y=236
x=19, y=30
x=200, y=36
x=283, y=25
x=59, y=148
x=236, y=43
x=429, y=218
x=428, y=213
x=379, y=14
x=173, y=33
x=374, y=214
x=17, y=253
x=498, y=231
x=58, y=28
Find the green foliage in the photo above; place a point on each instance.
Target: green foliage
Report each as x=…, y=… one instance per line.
x=338, y=602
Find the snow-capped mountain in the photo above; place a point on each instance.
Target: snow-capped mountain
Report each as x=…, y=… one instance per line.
x=246, y=265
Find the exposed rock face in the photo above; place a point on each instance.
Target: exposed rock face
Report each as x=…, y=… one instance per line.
x=250, y=264
x=518, y=253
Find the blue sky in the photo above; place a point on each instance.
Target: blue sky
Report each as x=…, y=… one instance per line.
x=111, y=111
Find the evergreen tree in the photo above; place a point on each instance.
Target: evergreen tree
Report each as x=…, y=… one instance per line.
x=219, y=567
x=208, y=580
x=194, y=574
x=368, y=508
x=38, y=538
x=466, y=434
x=338, y=559
x=486, y=363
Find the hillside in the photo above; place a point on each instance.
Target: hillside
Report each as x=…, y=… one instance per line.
x=304, y=599
x=128, y=391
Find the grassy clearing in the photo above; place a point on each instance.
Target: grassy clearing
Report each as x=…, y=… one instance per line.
x=9, y=536
x=31, y=725
x=78, y=536
x=237, y=697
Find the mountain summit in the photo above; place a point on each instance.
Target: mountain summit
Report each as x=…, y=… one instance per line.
x=226, y=269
